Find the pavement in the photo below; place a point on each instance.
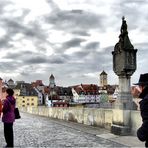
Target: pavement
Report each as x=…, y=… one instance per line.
x=38, y=131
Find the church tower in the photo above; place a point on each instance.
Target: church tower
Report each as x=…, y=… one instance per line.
x=52, y=81
x=103, y=78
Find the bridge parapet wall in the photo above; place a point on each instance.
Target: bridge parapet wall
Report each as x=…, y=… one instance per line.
x=90, y=116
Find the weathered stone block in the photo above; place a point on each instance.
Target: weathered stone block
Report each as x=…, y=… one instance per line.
x=120, y=130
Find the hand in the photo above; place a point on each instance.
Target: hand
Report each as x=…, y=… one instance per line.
x=136, y=91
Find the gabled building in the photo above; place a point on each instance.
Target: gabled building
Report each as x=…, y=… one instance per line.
x=27, y=95
x=85, y=93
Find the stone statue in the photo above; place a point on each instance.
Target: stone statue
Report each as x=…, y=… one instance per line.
x=123, y=27
x=124, y=42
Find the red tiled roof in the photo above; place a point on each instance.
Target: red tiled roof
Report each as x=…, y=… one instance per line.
x=86, y=88
x=37, y=83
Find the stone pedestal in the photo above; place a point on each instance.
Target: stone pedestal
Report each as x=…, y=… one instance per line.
x=123, y=106
x=121, y=122
x=120, y=130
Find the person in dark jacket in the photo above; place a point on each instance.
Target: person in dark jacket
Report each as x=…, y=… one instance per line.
x=8, y=117
x=142, y=132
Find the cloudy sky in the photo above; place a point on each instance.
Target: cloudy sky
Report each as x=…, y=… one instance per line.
x=72, y=39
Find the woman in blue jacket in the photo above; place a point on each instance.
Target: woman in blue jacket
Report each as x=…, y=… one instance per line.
x=8, y=117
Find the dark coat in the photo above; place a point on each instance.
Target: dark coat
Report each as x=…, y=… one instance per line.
x=142, y=132
x=8, y=110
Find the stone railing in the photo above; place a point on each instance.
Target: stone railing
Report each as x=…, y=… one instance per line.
x=89, y=116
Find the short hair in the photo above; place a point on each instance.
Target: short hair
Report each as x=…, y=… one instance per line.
x=10, y=91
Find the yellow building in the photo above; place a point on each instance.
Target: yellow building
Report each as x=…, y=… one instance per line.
x=24, y=101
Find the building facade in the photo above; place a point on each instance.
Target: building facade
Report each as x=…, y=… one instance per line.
x=25, y=101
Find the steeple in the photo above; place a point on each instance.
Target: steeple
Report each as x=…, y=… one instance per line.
x=51, y=81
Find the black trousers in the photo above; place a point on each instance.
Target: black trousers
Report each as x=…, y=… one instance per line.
x=8, y=134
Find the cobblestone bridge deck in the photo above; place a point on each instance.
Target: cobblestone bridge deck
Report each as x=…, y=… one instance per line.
x=37, y=131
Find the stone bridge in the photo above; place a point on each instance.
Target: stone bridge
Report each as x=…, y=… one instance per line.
x=39, y=131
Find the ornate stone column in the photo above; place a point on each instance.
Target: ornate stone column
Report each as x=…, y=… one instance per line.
x=124, y=65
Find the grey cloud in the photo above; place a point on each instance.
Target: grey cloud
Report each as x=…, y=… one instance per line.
x=133, y=1
x=8, y=67
x=53, y=5
x=92, y=45
x=24, y=73
x=4, y=3
x=31, y=30
x=74, y=20
x=40, y=59
x=12, y=55
x=80, y=55
x=58, y=59
x=5, y=42
x=90, y=61
x=36, y=60
x=28, y=57
x=80, y=32
x=13, y=25
x=45, y=60
x=75, y=42
x=142, y=50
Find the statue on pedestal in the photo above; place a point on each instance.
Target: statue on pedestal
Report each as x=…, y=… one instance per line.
x=124, y=65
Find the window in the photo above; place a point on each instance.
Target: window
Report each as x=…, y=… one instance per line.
x=23, y=101
x=27, y=103
x=32, y=104
x=32, y=99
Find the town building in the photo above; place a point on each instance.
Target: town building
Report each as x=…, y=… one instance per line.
x=25, y=95
x=25, y=101
x=39, y=87
x=85, y=94
x=56, y=96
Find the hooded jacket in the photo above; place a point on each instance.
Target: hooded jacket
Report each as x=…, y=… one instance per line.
x=8, y=110
x=142, y=132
